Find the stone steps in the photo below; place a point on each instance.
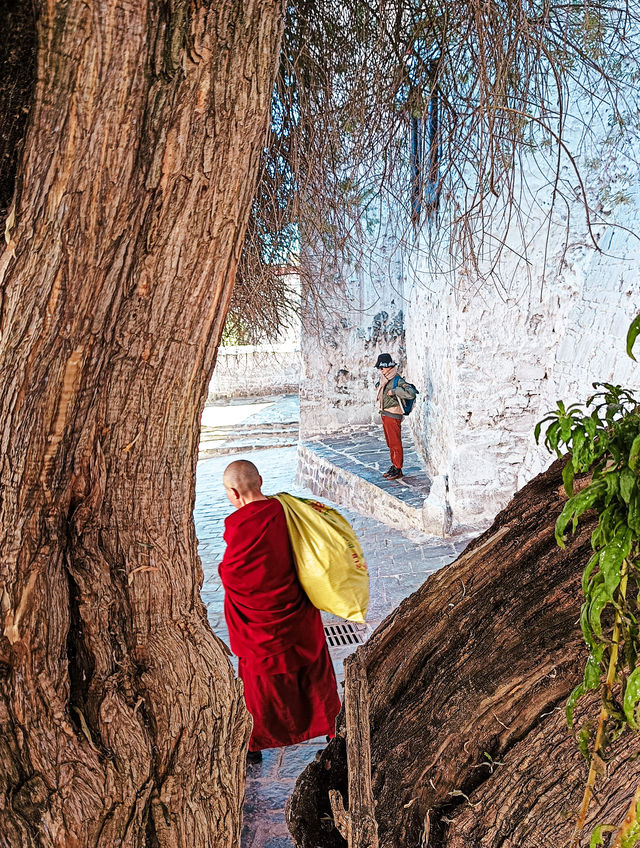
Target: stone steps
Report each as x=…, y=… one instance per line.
x=247, y=437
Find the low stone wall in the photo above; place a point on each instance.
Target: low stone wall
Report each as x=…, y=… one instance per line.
x=325, y=479
x=255, y=371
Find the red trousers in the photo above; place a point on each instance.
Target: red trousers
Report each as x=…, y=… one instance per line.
x=393, y=436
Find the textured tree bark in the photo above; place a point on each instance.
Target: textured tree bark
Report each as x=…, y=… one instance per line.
x=121, y=722
x=358, y=824
x=467, y=681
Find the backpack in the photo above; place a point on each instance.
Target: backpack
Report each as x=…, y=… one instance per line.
x=406, y=403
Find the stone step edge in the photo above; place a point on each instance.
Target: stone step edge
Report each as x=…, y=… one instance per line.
x=346, y=488
x=251, y=428
x=239, y=447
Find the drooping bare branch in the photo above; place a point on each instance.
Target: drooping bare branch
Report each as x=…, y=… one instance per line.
x=521, y=86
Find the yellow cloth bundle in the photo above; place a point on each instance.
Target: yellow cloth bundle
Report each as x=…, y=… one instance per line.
x=328, y=557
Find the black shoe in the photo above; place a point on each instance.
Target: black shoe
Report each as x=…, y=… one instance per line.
x=388, y=473
x=254, y=757
x=396, y=474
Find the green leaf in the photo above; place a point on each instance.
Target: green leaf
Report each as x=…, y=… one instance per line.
x=632, y=335
x=567, y=477
x=590, y=424
x=627, y=482
x=551, y=438
x=610, y=520
x=586, y=574
x=614, y=450
x=597, y=538
x=576, y=506
x=631, y=698
x=577, y=449
x=584, y=624
x=612, y=557
x=634, y=453
x=599, y=601
x=592, y=673
x=536, y=432
x=572, y=700
x=540, y=424
x=584, y=738
x=597, y=654
x=613, y=485
x=612, y=410
x=597, y=837
x=633, y=519
x=631, y=644
x=565, y=429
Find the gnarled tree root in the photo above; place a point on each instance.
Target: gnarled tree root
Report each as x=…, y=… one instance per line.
x=467, y=681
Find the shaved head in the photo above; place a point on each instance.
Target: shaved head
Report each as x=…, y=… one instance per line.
x=242, y=476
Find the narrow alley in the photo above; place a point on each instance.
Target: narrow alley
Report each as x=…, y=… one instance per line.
x=399, y=562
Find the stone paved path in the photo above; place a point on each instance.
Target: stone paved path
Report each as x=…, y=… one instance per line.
x=348, y=468
x=399, y=562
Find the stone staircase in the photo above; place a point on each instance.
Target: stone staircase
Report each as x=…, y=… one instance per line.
x=247, y=424
x=246, y=437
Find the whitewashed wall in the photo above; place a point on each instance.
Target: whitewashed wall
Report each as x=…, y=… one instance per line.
x=360, y=316
x=265, y=369
x=256, y=371
x=491, y=358
x=497, y=358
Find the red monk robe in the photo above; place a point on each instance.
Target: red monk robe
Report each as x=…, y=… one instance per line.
x=276, y=633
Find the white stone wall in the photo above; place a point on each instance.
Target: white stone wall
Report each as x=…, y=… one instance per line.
x=266, y=369
x=498, y=357
x=491, y=355
x=360, y=316
x=255, y=371
x=338, y=387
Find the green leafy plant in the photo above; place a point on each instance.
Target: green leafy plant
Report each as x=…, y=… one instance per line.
x=602, y=473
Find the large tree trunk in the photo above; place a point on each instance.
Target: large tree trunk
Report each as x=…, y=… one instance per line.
x=121, y=722
x=468, y=681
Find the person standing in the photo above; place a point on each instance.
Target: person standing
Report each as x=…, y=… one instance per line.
x=289, y=684
x=391, y=393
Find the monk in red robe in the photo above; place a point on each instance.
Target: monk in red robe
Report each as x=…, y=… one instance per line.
x=276, y=633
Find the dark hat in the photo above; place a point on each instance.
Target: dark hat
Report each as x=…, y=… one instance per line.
x=385, y=361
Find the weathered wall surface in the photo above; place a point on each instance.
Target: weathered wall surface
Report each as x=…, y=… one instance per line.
x=361, y=317
x=498, y=359
x=491, y=356
x=256, y=370
x=264, y=369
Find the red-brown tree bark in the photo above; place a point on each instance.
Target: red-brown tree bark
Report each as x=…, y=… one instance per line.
x=468, y=680
x=121, y=722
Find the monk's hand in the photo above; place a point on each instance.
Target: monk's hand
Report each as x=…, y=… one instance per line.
x=391, y=392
